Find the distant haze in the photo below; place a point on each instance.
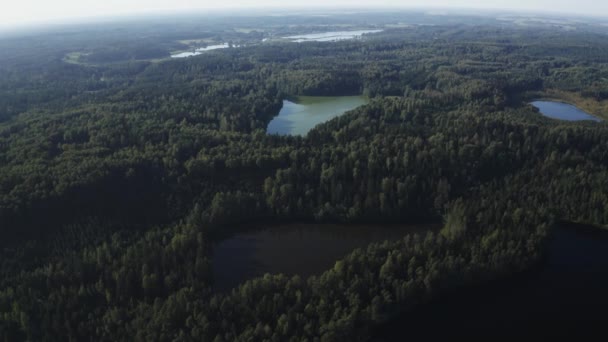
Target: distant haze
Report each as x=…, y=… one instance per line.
x=16, y=12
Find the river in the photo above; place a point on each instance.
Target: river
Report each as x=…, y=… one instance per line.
x=200, y=51
x=562, y=111
x=333, y=36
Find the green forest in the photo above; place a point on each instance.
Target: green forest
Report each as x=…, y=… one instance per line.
x=118, y=172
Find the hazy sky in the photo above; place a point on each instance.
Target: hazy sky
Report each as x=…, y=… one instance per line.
x=28, y=11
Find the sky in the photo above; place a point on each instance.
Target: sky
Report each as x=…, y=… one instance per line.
x=23, y=12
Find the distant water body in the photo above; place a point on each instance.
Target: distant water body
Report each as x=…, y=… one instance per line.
x=330, y=36
x=563, y=111
x=200, y=51
x=333, y=36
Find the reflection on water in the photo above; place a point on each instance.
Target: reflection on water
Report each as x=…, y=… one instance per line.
x=304, y=249
x=297, y=118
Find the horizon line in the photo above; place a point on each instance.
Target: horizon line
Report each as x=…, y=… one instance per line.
x=247, y=12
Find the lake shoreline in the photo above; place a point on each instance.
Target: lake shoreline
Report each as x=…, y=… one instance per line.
x=593, y=107
x=563, y=111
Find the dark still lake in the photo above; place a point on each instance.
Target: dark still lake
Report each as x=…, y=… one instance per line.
x=567, y=295
x=562, y=111
x=305, y=112
x=303, y=249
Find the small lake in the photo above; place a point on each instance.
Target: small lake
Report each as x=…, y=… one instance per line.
x=329, y=36
x=200, y=51
x=303, y=114
x=303, y=249
x=562, y=111
x=567, y=294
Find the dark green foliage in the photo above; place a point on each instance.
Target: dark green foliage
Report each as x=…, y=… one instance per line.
x=114, y=178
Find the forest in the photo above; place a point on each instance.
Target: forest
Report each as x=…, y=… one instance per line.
x=118, y=172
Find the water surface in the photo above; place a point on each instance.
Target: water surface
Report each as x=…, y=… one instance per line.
x=333, y=36
x=300, y=116
x=303, y=249
x=200, y=51
x=314, y=37
x=562, y=111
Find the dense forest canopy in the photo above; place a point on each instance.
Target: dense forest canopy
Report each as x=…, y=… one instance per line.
x=119, y=165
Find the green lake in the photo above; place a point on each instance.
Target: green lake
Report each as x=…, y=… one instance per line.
x=305, y=112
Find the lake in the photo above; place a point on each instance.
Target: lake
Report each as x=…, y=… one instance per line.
x=303, y=249
x=301, y=115
x=200, y=51
x=333, y=36
x=562, y=111
x=566, y=295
